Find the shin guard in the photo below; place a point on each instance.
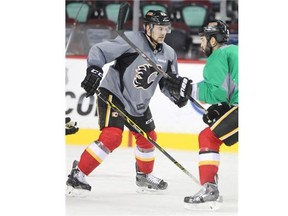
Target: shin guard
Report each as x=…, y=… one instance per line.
x=145, y=152
x=109, y=139
x=92, y=157
x=209, y=157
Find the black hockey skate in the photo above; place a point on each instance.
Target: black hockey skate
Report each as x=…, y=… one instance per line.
x=76, y=179
x=149, y=182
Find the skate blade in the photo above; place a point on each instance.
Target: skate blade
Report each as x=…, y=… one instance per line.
x=220, y=199
x=213, y=205
x=74, y=192
x=145, y=190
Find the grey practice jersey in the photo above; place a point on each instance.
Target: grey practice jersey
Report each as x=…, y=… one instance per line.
x=131, y=78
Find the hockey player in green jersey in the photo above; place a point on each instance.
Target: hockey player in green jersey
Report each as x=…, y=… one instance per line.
x=220, y=89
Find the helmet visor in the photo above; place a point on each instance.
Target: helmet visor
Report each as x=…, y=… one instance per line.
x=162, y=28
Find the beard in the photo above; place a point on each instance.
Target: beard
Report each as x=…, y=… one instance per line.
x=207, y=51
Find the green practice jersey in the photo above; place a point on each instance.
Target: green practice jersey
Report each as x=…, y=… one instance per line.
x=220, y=75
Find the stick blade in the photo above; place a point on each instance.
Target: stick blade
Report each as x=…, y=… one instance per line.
x=124, y=7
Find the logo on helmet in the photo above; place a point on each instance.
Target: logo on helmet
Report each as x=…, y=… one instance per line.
x=157, y=17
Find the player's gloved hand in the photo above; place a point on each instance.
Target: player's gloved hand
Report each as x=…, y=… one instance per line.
x=214, y=112
x=180, y=88
x=92, y=80
x=70, y=126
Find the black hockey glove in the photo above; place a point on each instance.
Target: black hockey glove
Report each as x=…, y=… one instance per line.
x=70, y=126
x=92, y=80
x=180, y=88
x=214, y=112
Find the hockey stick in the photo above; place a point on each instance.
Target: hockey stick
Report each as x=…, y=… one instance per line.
x=145, y=135
x=74, y=27
x=119, y=29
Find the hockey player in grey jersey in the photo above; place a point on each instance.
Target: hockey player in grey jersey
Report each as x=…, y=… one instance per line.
x=130, y=83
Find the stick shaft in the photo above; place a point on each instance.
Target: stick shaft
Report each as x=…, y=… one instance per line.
x=124, y=7
x=121, y=18
x=74, y=27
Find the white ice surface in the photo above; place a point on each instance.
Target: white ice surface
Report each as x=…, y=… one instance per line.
x=114, y=189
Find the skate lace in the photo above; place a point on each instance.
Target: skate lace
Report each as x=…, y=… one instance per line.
x=153, y=179
x=204, y=191
x=80, y=176
x=201, y=193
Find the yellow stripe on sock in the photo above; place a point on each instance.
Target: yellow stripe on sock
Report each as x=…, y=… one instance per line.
x=145, y=159
x=94, y=155
x=216, y=163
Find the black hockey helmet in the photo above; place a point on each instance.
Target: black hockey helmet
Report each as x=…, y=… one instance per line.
x=157, y=17
x=218, y=29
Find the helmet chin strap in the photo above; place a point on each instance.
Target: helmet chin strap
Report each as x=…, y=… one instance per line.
x=154, y=42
